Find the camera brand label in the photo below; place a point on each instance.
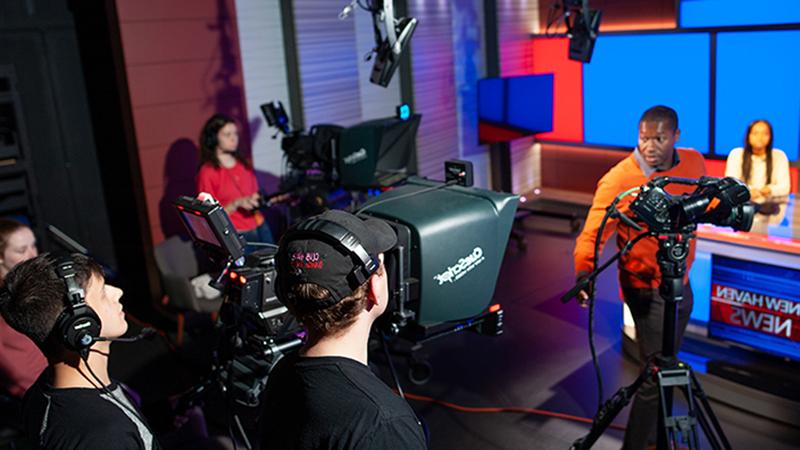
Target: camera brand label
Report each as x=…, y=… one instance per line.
x=356, y=157
x=461, y=268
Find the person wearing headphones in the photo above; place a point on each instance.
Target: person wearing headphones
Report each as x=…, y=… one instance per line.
x=330, y=275
x=65, y=307
x=228, y=176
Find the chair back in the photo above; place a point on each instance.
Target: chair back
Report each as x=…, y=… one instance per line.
x=176, y=264
x=176, y=256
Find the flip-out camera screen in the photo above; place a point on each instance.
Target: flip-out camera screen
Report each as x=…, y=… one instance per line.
x=210, y=226
x=200, y=228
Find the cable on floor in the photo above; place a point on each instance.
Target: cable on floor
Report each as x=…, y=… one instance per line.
x=510, y=409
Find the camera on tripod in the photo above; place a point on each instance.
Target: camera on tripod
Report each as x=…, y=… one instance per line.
x=718, y=201
x=245, y=280
x=256, y=328
x=310, y=174
x=672, y=219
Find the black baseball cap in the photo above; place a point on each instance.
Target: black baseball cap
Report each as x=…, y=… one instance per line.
x=309, y=255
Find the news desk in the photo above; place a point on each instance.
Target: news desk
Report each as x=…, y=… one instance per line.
x=746, y=285
x=743, y=339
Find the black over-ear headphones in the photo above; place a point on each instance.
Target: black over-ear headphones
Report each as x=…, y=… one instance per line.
x=341, y=239
x=78, y=326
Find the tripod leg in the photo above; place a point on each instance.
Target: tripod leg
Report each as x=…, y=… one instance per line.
x=610, y=410
x=718, y=438
x=673, y=429
x=692, y=415
x=664, y=436
x=701, y=417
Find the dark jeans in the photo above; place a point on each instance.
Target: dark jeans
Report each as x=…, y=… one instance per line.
x=647, y=308
x=262, y=234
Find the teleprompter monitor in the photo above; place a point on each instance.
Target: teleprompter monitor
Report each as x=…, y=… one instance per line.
x=514, y=107
x=376, y=150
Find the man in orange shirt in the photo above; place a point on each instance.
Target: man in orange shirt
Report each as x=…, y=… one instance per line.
x=639, y=274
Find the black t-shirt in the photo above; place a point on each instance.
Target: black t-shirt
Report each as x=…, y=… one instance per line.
x=334, y=403
x=84, y=418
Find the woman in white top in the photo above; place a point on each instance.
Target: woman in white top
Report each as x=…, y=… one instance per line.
x=763, y=168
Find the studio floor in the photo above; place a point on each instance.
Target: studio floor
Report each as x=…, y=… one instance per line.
x=541, y=361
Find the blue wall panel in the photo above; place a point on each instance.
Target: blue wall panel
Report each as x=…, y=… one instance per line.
x=630, y=73
x=721, y=13
x=745, y=93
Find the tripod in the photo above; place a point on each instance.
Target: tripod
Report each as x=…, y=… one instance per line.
x=241, y=368
x=670, y=373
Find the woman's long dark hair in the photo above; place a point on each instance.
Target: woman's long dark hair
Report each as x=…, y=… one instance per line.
x=208, y=141
x=747, y=162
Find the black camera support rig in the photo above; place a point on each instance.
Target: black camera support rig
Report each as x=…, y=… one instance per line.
x=666, y=368
x=672, y=220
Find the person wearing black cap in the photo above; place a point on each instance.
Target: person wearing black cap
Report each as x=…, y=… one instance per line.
x=330, y=275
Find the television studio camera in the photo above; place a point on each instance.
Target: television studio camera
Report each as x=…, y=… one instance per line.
x=256, y=329
x=672, y=220
x=442, y=273
x=451, y=242
x=329, y=161
x=310, y=173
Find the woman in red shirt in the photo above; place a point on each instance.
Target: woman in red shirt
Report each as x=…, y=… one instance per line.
x=226, y=175
x=21, y=362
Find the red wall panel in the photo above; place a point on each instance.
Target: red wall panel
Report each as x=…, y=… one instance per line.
x=551, y=57
x=182, y=64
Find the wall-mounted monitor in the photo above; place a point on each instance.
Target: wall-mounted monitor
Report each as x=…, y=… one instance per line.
x=514, y=107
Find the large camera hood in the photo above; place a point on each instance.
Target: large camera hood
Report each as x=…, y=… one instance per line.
x=458, y=237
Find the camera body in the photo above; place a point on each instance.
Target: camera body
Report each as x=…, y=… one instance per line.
x=717, y=201
x=255, y=327
x=249, y=282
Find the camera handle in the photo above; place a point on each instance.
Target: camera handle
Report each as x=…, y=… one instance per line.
x=584, y=283
x=218, y=283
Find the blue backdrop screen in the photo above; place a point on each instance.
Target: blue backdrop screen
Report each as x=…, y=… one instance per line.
x=770, y=92
x=630, y=73
x=721, y=13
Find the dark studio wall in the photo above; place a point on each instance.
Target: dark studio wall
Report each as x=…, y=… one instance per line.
x=38, y=44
